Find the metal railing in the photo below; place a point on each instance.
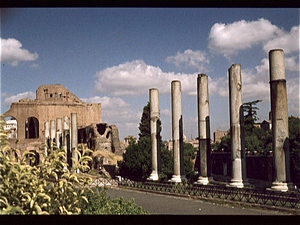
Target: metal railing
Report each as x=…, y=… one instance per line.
x=290, y=199
x=103, y=182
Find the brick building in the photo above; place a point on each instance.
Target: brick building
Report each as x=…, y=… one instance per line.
x=52, y=102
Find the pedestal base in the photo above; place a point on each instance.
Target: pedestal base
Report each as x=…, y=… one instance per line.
x=236, y=183
x=204, y=180
x=279, y=186
x=153, y=176
x=177, y=178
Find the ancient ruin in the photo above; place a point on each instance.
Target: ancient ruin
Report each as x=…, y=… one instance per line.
x=177, y=132
x=236, y=125
x=204, y=130
x=154, y=115
x=280, y=128
x=59, y=116
x=101, y=136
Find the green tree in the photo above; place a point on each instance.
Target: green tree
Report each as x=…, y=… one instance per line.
x=137, y=163
x=294, y=141
x=250, y=118
x=189, y=155
x=256, y=139
x=225, y=144
x=144, y=125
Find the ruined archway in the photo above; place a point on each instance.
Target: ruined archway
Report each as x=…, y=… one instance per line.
x=31, y=128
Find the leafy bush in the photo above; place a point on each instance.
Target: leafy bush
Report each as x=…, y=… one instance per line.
x=99, y=203
x=47, y=188
x=51, y=187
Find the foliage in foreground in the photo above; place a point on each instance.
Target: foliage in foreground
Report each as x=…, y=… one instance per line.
x=99, y=204
x=51, y=187
x=47, y=188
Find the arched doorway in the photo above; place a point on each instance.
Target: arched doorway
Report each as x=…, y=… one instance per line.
x=31, y=128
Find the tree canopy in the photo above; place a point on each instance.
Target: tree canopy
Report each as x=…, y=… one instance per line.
x=137, y=161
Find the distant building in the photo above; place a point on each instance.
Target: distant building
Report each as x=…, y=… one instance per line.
x=218, y=134
x=52, y=101
x=194, y=142
x=258, y=125
x=266, y=125
x=11, y=127
x=126, y=140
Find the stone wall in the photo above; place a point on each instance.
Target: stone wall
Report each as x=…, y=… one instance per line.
x=52, y=102
x=101, y=136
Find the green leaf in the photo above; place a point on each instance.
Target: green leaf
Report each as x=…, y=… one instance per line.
x=13, y=210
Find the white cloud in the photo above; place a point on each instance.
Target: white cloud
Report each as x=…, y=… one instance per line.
x=13, y=53
x=292, y=63
x=218, y=86
x=8, y=99
x=288, y=41
x=117, y=111
x=228, y=39
x=165, y=112
x=256, y=86
x=293, y=96
x=189, y=58
x=136, y=78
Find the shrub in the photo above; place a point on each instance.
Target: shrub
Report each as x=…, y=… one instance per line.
x=51, y=187
x=99, y=203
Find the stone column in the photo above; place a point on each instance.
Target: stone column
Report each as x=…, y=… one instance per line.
x=280, y=128
x=204, y=129
x=236, y=124
x=74, y=135
x=154, y=115
x=58, y=132
x=52, y=133
x=66, y=131
x=66, y=136
x=47, y=137
x=177, y=132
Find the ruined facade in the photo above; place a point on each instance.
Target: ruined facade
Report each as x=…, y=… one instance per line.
x=52, y=102
x=101, y=136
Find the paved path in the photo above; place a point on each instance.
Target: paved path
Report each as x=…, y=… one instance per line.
x=164, y=204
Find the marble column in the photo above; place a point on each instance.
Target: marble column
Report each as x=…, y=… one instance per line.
x=52, y=133
x=74, y=136
x=154, y=115
x=204, y=130
x=66, y=138
x=59, y=132
x=280, y=128
x=236, y=124
x=177, y=132
x=66, y=131
x=47, y=137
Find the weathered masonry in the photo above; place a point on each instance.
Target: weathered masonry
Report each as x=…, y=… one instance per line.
x=52, y=102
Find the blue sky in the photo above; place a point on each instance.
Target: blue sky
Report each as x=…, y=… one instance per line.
x=115, y=55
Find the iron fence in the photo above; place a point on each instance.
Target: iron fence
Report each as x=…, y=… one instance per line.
x=103, y=182
x=290, y=199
